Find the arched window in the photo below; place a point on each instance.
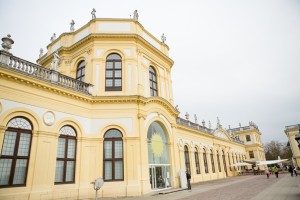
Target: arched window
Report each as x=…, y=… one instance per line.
x=187, y=159
x=229, y=162
x=224, y=162
x=153, y=81
x=218, y=159
x=212, y=161
x=80, y=73
x=15, y=153
x=197, y=161
x=113, y=156
x=66, y=156
x=113, y=73
x=205, y=161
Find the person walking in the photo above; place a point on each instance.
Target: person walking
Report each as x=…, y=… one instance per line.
x=291, y=170
x=188, y=178
x=295, y=171
x=267, y=172
x=275, y=170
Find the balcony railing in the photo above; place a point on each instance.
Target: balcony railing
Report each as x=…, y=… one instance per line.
x=296, y=126
x=11, y=62
x=192, y=125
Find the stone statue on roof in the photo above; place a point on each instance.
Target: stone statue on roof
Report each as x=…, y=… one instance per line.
x=72, y=28
x=41, y=53
x=136, y=15
x=93, y=13
x=187, y=116
x=196, y=119
x=53, y=37
x=163, y=38
x=55, y=61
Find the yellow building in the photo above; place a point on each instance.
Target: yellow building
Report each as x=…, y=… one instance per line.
x=291, y=132
x=99, y=103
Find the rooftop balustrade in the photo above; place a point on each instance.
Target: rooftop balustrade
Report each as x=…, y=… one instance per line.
x=8, y=61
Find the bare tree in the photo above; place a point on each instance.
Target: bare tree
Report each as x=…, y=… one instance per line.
x=274, y=149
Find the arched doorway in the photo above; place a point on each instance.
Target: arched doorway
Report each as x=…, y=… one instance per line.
x=158, y=157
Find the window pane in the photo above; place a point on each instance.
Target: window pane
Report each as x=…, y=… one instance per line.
x=67, y=130
x=118, y=65
x=117, y=82
x=109, y=74
x=118, y=149
x=19, y=122
x=109, y=83
x=5, y=166
x=70, y=171
x=20, y=170
x=71, y=148
x=108, y=149
x=119, y=170
x=59, y=171
x=109, y=65
x=118, y=73
x=61, y=147
x=24, y=144
x=154, y=86
x=108, y=170
x=113, y=133
x=9, y=143
x=113, y=56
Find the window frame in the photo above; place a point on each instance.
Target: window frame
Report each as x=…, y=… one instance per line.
x=197, y=163
x=81, y=68
x=187, y=159
x=65, y=159
x=212, y=161
x=15, y=156
x=113, y=159
x=251, y=154
x=113, y=70
x=152, y=82
x=205, y=161
x=248, y=138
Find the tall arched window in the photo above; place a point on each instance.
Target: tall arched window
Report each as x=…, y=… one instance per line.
x=66, y=156
x=80, y=73
x=229, y=162
x=224, y=162
x=212, y=161
x=113, y=156
x=187, y=159
x=113, y=73
x=15, y=153
x=205, y=161
x=197, y=161
x=218, y=159
x=153, y=81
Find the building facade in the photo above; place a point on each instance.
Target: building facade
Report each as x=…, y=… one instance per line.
x=291, y=131
x=100, y=103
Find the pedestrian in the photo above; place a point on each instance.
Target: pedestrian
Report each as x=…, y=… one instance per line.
x=267, y=172
x=295, y=171
x=291, y=170
x=188, y=178
x=275, y=170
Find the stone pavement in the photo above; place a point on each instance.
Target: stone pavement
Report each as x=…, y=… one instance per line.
x=250, y=187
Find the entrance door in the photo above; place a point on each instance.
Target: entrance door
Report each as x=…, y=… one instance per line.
x=159, y=177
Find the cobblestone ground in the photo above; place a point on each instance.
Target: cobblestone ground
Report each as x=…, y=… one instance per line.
x=236, y=188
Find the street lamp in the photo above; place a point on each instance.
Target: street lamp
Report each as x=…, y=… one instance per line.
x=297, y=138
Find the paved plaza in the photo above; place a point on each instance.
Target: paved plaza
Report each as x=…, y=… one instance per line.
x=250, y=187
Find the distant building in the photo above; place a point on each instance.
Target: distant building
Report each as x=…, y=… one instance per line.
x=99, y=103
x=291, y=132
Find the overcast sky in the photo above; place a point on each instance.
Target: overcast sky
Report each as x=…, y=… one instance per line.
x=236, y=60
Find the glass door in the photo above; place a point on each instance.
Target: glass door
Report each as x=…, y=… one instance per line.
x=159, y=177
